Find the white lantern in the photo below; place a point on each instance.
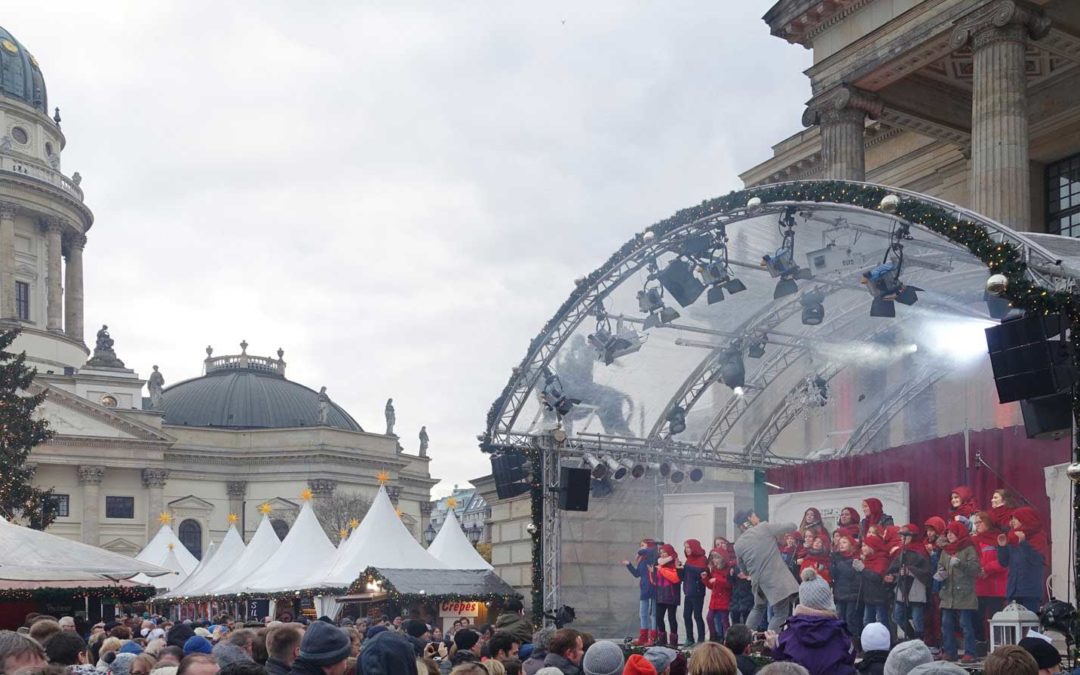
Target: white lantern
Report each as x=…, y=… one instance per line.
x=1011, y=624
x=754, y=203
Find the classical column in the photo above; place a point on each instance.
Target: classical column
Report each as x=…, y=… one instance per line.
x=998, y=34
x=154, y=482
x=7, y=260
x=54, y=312
x=394, y=493
x=90, y=478
x=841, y=113
x=73, y=299
x=322, y=489
x=237, y=490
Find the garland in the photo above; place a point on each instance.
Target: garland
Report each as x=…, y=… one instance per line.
x=1002, y=258
x=372, y=575
x=119, y=594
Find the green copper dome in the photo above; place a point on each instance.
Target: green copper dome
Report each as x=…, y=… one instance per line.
x=20, y=77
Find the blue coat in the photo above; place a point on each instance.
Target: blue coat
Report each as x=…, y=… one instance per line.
x=1026, y=570
x=819, y=643
x=846, y=581
x=646, y=557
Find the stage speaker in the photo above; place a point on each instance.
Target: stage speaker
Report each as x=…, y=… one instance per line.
x=1027, y=360
x=574, y=489
x=511, y=473
x=1048, y=417
x=679, y=280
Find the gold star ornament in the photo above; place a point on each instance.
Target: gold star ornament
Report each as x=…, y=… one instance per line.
x=398, y=512
x=265, y=508
x=343, y=533
x=232, y=519
x=165, y=518
x=306, y=495
x=354, y=523
x=383, y=477
x=451, y=503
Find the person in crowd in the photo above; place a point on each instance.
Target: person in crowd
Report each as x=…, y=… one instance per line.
x=227, y=652
x=757, y=553
x=565, y=650
x=512, y=620
x=662, y=659
x=691, y=574
x=42, y=629
x=906, y=656
x=476, y=668
x=848, y=523
x=738, y=639
x=389, y=653
x=494, y=667
x=418, y=634
x=742, y=595
x=504, y=646
x=636, y=664
x=179, y=634
x=67, y=623
x=144, y=664
x=817, y=557
x=245, y=668
x=436, y=634
x=1002, y=505
x=197, y=644
x=512, y=666
x=198, y=664
x=466, y=649
x=642, y=568
x=1024, y=552
x=66, y=648
x=874, y=516
x=910, y=572
x=603, y=658
x=872, y=567
x=792, y=550
x=813, y=526
x=1012, y=660
x=783, y=668
x=666, y=580
x=283, y=647
x=710, y=658
x=962, y=504
x=957, y=570
x=170, y=656
x=718, y=579
x=991, y=582
x=535, y=661
x=1047, y=657
x=324, y=650
x=875, y=642
x=847, y=582
x=121, y=665
x=814, y=637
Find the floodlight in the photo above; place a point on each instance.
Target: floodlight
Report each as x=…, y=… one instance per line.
x=636, y=469
x=553, y=397
x=617, y=470
x=732, y=369
x=883, y=282
x=676, y=419
x=757, y=348
x=717, y=275
x=813, y=308
x=781, y=263
x=696, y=475
x=651, y=301
x=674, y=474
x=597, y=469
x=678, y=279
x=610, y=346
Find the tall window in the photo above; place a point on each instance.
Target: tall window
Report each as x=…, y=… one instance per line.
x=22, y=300
x=63, y=505
x=119, y=507
x=1063, y=197
x=191, y=537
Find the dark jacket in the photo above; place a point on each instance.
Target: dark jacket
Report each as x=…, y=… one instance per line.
x=873, y=662
x=515, y=624
x=276, y=667
x=534, y=663
x=646, y=559
x=919, y=567
x=958, y=588
x=563, y=664
x=818, y=642
x=846, y=580
x=1026, y=570
x=747, y=665
x=874, y=590
x=742, y=596
x=386, y=654
x=302, y=667
x=693, y=586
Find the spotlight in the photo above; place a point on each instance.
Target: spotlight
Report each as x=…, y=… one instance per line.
x=665, y=469
x=610, y=346
x=696, y=475
x=781, y=264
x=651, y=302
x=636, y=469
x=732, y=369
x=678, y=279
x=618, y=471
x=717, y=273
x=883, y=282
x=813, y=308
x=675, y=474
x=822, y=386
x=757, y=348
x=597, y=469
x=553, y=397
x=676, y=419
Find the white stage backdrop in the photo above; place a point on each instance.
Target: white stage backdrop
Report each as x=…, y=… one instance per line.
x=1059, y=490
x=790, y=506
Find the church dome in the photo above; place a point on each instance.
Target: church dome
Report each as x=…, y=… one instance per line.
x=20, y=77
x=248, y=392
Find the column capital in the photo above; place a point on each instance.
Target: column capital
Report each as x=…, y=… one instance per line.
x=322, y=487
x=91, y=474
x=1009, y=20
x=74, y=240
x=8, y=209
x=425, y=509
x=394, y=492
x=154, y=478
x=50, y=224
x=843, y=103
x=236, y=488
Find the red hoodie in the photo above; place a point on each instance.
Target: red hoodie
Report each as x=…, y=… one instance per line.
x=992, y=582
x=878, y=560
x=719, y=581
x=1031, y=526
x=967, y=507
x=851, y=527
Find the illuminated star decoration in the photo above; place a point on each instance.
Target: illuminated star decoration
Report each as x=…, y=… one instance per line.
x=170, y=545
x=383, y=477
x=265, y=508
x=305, y=496
x=451, y=503
x=398, y=512
x=165, y=518
x=354, y=523
x=232, y=519
x=343, y=533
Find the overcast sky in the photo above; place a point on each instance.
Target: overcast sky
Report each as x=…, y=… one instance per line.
x=397, y=193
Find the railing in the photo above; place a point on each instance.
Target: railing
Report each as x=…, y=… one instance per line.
x=245, y=362
x=9, y=164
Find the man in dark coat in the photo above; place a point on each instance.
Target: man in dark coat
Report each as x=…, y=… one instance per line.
x=324, y=650
x=282, y=648
x=389, y=653
x=770, y=579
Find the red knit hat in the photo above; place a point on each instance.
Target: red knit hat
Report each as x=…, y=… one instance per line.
x=638, y=665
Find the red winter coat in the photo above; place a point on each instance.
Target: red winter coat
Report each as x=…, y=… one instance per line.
x=991, y=583
x=720, y=583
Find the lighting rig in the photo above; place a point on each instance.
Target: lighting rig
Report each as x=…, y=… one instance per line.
x=612, y=344
x=883, y=281
x=781, y=264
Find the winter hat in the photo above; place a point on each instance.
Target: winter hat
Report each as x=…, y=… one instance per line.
x=525, y=651
x=226, y=653
x=603, y=658
x=660, y=657
x=466, y=639
x=636, y=665
x=415, y=628
x=388, y=654
x=121, y=665
x=325, y=645
x=938, y=668
x=907, y=655
x=178, y=635
x=742, y=516
x=814, y=592
x=549, y=670
x=202, y=632
x=1046, y=655
x=196, y=644
x=373, y=631
x=131, y=647
x=156, y=633
x=875, y=637
x=541, y=638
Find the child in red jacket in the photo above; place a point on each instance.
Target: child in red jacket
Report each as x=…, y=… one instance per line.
x=718, y=578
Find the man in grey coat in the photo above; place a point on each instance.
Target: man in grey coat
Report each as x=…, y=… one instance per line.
x=771, y=581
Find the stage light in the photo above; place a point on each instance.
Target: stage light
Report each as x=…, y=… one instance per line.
x=597, y=469
x=675, y=474
x=616, y=469
x=678, y=279
x=665, y=469
x=757, y=348
x=813, y=308
x=732, y=369
x=553, y=397
x=635, y=469
x=822, y=386
x=997, y=307
x=781, y=264
x=676, y=419
x=717, y=274
x=696, y=475
x=883, y=281
x=610, y=346
x=651, y=302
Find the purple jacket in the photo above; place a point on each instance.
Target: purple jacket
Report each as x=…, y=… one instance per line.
x=821, y=644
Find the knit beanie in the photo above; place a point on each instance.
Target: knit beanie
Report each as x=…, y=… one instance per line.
x=660, y=657
x=131, y=647
x=906, y=656
x=178, y=635
x=541, y=638
x=121, y=665
x=324, y=644
x=197, y=644
x=603, y=658
x=416, y=628
x=388, y=653
x=875, y=637
x=814, y=592
x=466, y=639
x=637, y=665
x=1045, y=654
x=549, y=670
x=373, y=631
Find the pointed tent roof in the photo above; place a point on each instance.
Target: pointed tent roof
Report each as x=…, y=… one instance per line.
x=452, y=548
x=304, y=553
x=226, y=554
x=263, y=545
x=156, y=552
x=381, y=540
x=171, y=562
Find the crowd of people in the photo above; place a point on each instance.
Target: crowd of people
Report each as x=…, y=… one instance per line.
x=930, y=582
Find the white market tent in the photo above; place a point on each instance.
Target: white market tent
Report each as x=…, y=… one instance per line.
x=171, y=562
x=381, y=540
x=216, y=563
x=297, y=564
x=262, y=547
x=158, y=550
x=453, y=549
x=33, y=555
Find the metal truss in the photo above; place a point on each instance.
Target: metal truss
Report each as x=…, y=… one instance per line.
x=551, y=534
x=870, y=427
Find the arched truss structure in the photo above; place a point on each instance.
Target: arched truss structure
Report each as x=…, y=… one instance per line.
x=625, y=406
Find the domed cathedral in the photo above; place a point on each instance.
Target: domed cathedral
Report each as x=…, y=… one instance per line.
x=239, y=439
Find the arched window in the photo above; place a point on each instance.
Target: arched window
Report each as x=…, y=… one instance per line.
x=191, y=537
x=281, y=528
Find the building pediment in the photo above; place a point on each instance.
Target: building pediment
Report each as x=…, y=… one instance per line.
x=121, y=545
x=191, y=505
x=71, y=415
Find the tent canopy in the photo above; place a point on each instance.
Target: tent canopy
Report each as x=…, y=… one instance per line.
x=300, y=561
x=453, y=549
x=262, y=547
x=213, y=566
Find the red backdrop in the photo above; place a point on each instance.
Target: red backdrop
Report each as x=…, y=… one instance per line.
x=932, y=468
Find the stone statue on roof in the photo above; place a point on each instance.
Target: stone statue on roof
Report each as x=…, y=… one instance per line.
x=391, y=417
x=423, y=441
x=324, y=407
x=156, y=385
x=104, y=355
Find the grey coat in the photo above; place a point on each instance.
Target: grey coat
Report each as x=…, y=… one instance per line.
x=759, y=555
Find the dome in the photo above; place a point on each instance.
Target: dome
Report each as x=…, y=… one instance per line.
x=20, y=76
x=248, y=392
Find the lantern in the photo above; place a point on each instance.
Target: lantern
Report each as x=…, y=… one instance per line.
x=1009, y=626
